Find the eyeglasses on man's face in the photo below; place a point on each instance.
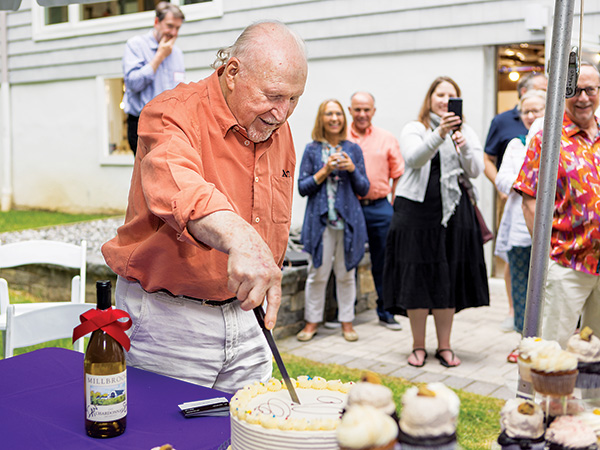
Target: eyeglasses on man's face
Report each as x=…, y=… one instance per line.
x=535, y=112
x=590, y=91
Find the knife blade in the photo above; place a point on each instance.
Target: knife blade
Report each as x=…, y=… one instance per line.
x=260, y=316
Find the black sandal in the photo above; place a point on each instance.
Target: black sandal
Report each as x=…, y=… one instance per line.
x=414, y=353
x=444, y=362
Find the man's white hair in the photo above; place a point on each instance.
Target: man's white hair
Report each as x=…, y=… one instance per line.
x=245, y=42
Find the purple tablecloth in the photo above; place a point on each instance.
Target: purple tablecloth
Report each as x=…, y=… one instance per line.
x=41, y=407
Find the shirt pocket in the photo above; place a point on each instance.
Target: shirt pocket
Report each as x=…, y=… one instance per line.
x=281, y=193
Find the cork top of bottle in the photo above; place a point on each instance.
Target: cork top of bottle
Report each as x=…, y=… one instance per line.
x=103, y=294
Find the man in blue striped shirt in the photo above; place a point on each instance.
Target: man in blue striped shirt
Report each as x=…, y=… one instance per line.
x=152, y=63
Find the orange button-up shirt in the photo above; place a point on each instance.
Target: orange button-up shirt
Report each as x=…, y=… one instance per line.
x=193, y=159
x=383, y=159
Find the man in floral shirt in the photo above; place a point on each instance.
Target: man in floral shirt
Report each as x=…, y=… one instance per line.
x=573, y=284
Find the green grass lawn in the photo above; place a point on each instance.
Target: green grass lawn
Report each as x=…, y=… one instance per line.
x=24, y=297
x=23, y=220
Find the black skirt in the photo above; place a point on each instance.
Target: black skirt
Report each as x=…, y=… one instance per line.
x=431, y=266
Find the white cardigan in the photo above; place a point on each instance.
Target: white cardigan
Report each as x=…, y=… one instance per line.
x=419, y=145
x=512, y=231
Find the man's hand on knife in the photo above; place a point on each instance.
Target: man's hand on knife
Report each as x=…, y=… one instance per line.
x=253, y=275
x=251, y=269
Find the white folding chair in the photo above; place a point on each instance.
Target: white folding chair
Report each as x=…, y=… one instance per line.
x=25, y=328
x=43, y=252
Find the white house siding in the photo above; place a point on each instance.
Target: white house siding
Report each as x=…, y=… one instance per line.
x=392, y=48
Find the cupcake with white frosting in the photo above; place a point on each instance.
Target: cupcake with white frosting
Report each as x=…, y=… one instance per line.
x=528, y=349
x=554, y=372
x=586, y=346
x=375, y=395
x=570, y=433
x=428, y=418
x=522, y=425
x=592, y=420
x=364, y=427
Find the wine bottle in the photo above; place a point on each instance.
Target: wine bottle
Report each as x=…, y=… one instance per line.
x=105, y=378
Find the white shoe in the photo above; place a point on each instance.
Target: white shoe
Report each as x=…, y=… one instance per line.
x=508, y=324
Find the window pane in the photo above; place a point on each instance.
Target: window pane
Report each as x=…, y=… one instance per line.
x=117, y=119
x=115, y=8
x=56, y=14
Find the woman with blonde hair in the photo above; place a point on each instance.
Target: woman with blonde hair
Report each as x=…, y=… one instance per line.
x=434, y=253
x=332, y=174
x=513, y=242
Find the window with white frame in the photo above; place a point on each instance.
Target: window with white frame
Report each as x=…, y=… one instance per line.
x=114, y=133
x=113, y=15
x=60, y=14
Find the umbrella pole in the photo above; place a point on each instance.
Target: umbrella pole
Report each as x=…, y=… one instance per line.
x=546, y=191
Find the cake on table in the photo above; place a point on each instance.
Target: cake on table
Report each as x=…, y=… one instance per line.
x=263, y=416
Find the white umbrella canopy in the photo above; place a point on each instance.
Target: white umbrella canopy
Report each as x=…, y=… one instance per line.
x=13, y=5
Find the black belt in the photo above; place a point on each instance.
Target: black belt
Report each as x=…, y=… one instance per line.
x=211, y=302
x=202, y=301
x=367, y=202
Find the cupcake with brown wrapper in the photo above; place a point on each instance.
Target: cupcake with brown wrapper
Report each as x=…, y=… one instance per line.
x=554, y=372
x=428, y=418
x=570, y=433
x=364, y=427
x=528, y=349
x=586, y=347
x=522, y=424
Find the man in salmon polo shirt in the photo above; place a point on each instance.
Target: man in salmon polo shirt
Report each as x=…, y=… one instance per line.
x=383, y=162
x=209, y=214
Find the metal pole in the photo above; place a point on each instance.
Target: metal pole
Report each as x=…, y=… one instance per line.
x=546, y=191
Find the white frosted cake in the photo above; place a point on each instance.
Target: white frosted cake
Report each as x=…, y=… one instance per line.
x=263, y=416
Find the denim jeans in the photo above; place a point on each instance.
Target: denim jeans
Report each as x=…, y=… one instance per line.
x=378, y=216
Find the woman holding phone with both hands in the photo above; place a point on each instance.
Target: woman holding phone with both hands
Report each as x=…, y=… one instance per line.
x=332, y=175
x=434, y=255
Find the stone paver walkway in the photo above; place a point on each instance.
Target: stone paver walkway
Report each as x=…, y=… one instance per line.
x=476, y=338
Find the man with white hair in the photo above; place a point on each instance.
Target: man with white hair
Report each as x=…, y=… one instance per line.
x=209, y=214
x=573, y=281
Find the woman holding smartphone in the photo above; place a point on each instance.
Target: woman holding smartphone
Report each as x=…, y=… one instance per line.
x=434, y=255
x=332, y=174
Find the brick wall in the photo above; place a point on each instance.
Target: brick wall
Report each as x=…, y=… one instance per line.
x=52, y=283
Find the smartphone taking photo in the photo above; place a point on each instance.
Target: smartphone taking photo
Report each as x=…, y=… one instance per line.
x=455, y=106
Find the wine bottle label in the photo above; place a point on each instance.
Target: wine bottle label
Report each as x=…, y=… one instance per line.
x=106, y=397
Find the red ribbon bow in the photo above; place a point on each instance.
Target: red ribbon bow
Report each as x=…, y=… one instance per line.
x=108, y=321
